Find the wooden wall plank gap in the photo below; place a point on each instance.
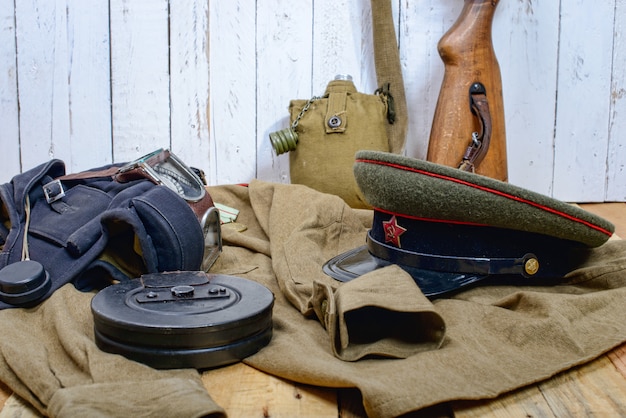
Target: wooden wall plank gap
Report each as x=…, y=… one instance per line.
x=10, y=158
x=616, y=154
x=584, y=84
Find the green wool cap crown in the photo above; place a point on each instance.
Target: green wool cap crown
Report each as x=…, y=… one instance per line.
x=433, y=192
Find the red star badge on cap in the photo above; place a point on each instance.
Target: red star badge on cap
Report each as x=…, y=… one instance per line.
x=393, y=231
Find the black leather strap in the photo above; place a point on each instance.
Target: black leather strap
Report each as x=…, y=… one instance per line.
x=479, y=144
x=446, y=263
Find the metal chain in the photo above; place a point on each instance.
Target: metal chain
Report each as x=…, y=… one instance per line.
x=304, y=109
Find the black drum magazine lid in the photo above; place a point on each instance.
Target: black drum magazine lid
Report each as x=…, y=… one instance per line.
x=187, y=319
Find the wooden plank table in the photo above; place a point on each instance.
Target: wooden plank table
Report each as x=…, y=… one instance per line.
x=597, y=388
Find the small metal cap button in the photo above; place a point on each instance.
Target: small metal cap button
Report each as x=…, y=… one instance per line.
x=334, y=122
x=531, y=266
x=182, y=291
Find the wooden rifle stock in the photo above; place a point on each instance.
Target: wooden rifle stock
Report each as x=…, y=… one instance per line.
x=468, y=129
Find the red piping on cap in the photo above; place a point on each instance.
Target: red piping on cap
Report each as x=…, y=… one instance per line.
x=418, y=218
x=489, y=190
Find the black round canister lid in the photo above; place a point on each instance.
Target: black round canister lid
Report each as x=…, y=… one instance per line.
x=183, y=319
x=23, y=283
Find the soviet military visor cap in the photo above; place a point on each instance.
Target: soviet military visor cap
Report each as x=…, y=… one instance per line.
x=449, y=228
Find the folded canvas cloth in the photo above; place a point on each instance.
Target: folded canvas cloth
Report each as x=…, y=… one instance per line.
x=497, y=337
x=49, y=358
x=329, y=333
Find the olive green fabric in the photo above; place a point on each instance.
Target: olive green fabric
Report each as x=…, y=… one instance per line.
x=398, y=327
x=49, y=358
x=368, y=319
x=431, y=191
x=324, y=155
x=497, y=338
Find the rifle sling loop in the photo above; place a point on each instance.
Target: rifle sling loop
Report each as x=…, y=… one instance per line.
x=479, y=144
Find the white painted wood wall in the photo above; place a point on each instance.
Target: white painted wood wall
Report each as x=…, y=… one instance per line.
x=91, y=82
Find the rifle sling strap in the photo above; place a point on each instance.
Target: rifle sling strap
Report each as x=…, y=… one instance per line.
x=479, y=144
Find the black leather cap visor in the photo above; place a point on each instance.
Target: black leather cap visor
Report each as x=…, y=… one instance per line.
x=359, y=261
x=443, y=257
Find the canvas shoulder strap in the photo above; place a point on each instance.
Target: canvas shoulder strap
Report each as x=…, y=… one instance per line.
x=389, y=70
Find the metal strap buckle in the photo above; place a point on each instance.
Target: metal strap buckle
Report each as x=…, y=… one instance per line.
x=53, y=191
